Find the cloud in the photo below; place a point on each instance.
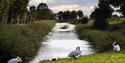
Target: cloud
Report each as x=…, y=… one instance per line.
x=86, y=9
x=36, y=2
x=47, y=1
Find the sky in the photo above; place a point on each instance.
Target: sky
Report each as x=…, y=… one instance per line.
x=87, y=6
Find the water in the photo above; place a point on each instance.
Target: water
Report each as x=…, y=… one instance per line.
x=60, y=43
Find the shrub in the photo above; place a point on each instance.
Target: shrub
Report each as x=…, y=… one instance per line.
x=100, y=24
x=84, y=20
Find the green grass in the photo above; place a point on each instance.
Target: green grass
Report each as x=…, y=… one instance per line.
x=106, y=57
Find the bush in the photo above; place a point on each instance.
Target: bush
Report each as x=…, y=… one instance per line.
x=22, y=40
x=100, y=24
x=84, y=20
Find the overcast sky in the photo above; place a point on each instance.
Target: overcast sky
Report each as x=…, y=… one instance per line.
x=86, y=6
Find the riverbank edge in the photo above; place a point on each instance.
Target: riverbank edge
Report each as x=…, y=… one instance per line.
x=105, y=57
x=26, y=39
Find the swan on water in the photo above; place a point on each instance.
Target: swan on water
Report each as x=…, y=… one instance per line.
x=15, y=60
x=75, y=53
x=116, y=47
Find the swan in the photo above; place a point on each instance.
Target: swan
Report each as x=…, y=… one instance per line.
x=75, y=53
x=116, y=47
x=15, y=60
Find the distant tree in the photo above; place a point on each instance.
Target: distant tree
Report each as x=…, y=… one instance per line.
x=60, y=15
x=84, y=20
x=33, y=13
x=44, y=12
x=67, y=15
x=42, y=6
x=80, y=14
x=73, y=14
x=32, y=8
x=101, y=14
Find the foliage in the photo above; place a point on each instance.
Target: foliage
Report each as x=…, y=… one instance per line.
x=43, y=12
x=22, y=40
x=84, y=20
x=70, y=15
x=101, y=13
x=12, y=10
x=80, y=14
x=16, y=11
x=101, y=40
x=74, y=14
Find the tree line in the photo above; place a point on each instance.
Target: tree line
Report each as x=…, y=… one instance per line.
x=69, y=15
x=72, y=16
x=15, y=11
x=41, y=12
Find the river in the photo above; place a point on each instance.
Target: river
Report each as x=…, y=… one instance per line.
x=60, y=42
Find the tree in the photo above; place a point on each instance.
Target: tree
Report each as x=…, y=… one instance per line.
x=101, y=13
x=17, y=9
x=67, y=15
x=84, y=20
x=11, y=10
x=93, y=14
x=119, y=3
x=33, y=13
x=4, y=9
x=44, y=12
x=32, y=8
x=80, y=14
x=60, y=15
x=42, y=6
x=73, y=14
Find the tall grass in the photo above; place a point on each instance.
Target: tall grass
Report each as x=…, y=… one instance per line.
x=100, y=40
x=22, y=40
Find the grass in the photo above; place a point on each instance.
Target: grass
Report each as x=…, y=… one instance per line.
x=105, y=57
x=102, y=40
x=22, y=40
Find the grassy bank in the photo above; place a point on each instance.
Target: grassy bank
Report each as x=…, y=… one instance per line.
x=22, y=40
x=102, y=39
x=105, y=57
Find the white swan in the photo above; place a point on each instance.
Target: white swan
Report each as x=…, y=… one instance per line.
x=15, y=60
x=116, y=47
x=75, y=53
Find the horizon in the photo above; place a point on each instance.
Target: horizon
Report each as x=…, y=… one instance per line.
x=87, y=6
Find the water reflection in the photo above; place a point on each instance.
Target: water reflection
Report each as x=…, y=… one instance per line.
x=60, y=42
